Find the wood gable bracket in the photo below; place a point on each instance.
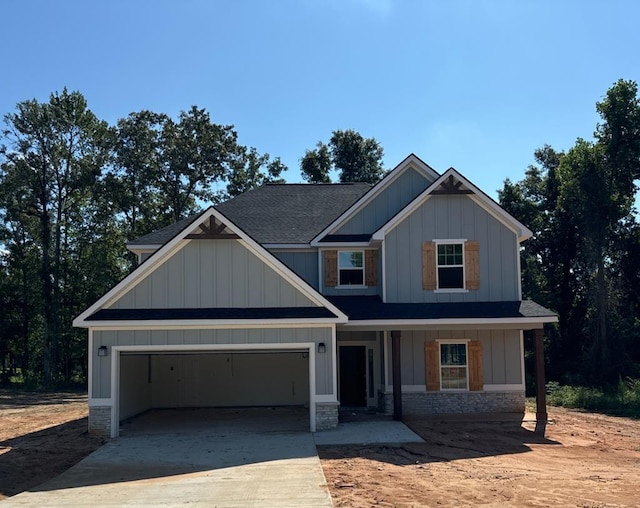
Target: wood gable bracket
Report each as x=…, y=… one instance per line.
x=451, y=186
x=212, y=230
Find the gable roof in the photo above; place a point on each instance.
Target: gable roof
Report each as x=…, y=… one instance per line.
x=449, y=177
x=275, y=213
x=177, y=242
x=411, y=161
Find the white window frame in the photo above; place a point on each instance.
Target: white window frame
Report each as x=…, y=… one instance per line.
x=463, y=289
x=466, y=366
x=349, y=286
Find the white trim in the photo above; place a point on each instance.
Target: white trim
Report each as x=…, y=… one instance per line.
x=105, y=402
x=90, y=360
x=385, y=335
x=478, y=197
x=179, y=242
x=388, y=323
x=412, y=161
x=519, y=272
x=523, y=378
x=290, y=346
x=327, y=399
x=407, y=388
x=504, y=388
x=210, y=324
x=334, y=360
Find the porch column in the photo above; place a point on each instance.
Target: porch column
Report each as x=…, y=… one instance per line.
x=397, y=376
x=541, y=393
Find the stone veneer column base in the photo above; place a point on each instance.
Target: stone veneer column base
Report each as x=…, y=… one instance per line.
x=326, y=415
x=100, y=421
x=428, y=403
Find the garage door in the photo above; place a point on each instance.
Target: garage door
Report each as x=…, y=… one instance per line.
x=212, y=379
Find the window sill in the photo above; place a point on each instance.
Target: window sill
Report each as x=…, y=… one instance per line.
x=351, y=286
x=452, y=290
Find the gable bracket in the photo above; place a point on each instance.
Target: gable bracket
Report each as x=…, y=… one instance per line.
x=450, y=186
x=212, y=231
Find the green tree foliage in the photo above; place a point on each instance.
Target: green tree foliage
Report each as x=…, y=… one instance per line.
x=357, y=159
x=580, y=205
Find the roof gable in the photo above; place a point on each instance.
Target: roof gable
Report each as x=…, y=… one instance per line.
x=451, y=182
x=410, y=162
x=212, y=224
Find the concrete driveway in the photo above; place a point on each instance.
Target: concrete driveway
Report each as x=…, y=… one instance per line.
x=212, y=458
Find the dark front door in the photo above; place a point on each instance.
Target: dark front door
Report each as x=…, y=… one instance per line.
x=353, y=376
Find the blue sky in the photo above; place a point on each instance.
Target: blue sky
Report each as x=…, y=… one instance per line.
x=473, y=84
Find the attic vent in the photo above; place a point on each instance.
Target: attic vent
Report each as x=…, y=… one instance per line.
x=212, y=229
x=451, y=186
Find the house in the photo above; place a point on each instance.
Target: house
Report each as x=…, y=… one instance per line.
x=404, y=296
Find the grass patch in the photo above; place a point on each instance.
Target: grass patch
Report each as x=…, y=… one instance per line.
x=620, y=400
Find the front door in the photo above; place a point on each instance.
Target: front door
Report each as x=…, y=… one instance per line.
x=353, y=376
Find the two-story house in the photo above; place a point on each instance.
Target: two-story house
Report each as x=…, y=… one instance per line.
x=403, y=296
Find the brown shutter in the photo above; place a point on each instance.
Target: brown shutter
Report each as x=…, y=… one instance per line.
x=472, y=266
x=429, y=266
x=331, y=268
x=371, y=267
x=476, y=381
x=431, y=367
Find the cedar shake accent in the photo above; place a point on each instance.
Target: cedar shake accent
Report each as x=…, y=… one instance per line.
x=429, y=266
x=472, y=266
x=474, y=355
x=432, y=374
x=331, y=268
x=371, y=267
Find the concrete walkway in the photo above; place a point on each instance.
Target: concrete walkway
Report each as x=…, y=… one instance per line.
x=230, y=462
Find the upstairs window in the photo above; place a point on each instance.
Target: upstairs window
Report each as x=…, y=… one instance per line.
x=351, y=268
x=450, y=264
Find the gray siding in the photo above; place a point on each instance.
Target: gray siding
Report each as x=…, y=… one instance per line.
x=451, y=217
x=501, y=354
x=102, y=365
x=303, y=263
x=386, y=204
x=212, y=273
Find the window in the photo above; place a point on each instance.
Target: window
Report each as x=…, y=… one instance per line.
x=453, y=366
x=450, y=266
x=351, y=268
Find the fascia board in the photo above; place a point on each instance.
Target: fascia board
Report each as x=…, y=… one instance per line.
x=410, y=161
x=386, y=323
x=202, y=324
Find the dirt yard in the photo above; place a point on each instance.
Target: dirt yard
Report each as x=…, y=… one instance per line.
x=584, y=460
x=41, y=435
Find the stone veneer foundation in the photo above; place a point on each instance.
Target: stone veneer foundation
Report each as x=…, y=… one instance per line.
x=427, y=403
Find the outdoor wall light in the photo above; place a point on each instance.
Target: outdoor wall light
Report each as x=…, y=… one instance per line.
x=103, y=351
x=322, y=348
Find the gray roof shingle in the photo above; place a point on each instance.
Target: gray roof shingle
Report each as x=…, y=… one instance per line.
x=277, y=213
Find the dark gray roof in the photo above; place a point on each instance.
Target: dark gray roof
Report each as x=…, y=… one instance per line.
x=163, y=235
x=277, y=213
x=291, y=213
x=211, y=313
x=361, y=308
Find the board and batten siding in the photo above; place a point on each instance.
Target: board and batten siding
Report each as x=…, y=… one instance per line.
x=212, y=273
x=451, y=217
x=303, y=263
x=101, y=367
x=501, y=354
x=386, y=204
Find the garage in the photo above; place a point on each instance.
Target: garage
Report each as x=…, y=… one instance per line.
x=212, y=377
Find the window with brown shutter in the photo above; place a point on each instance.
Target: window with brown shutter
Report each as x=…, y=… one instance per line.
x=428, y=266
x=331, y=268
x=472, y=266
x=371, y=267
x=449, y=365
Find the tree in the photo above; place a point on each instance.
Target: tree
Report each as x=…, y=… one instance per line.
x=54, y=154
x=247, y=172
x=357, y=159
